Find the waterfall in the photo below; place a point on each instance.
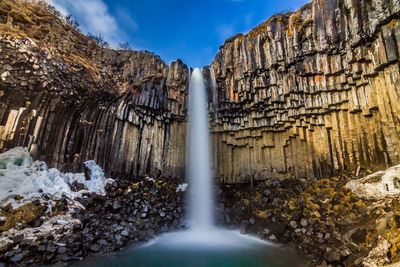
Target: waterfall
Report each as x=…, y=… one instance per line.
x=201, y=200
x=203, y=244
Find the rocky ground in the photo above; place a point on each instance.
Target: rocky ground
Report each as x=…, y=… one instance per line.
x=130, y=212
x=333, y=222
x=324, y=219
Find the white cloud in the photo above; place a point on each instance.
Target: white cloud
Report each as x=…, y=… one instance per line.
x=94, y=17
x=124, y=16
x=225, y=31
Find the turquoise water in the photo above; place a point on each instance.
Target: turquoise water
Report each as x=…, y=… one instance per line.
x=180, y=250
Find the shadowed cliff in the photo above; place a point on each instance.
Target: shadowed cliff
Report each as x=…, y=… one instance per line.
x=69, y=100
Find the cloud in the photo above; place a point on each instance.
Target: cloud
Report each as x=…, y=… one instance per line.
x=94, y=17
x=225, y=31
x=125, y=17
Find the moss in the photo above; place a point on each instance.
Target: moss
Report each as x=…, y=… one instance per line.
x=24, y=215
x=393, y=236
x=292, y=204
x=392, y=24
x=395, y=248
x=134, y=186
x=315, y=214
x=262, y=214
x=20, y=17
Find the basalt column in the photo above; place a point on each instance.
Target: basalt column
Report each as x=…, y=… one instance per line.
x=309, y=94
x=128, y=115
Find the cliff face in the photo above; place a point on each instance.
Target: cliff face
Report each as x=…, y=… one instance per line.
x=69, y=100
x=309, y=94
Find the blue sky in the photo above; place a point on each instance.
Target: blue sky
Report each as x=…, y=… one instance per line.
x=191, y=30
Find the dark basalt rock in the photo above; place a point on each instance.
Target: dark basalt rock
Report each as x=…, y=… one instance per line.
x=99, y=230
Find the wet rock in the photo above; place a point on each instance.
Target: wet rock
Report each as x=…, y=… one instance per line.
x=18, y=238
x=61, y=250
x=102, y=242
x=17, y=258
x=95, y=248
x=243, y=227
x=125, y=233
x=116, y=206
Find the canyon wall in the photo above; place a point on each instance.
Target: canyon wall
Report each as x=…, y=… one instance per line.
x=309, y=94
x=69, y=100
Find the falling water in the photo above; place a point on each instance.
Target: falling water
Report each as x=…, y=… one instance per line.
x=199, y=169
x=203, y=244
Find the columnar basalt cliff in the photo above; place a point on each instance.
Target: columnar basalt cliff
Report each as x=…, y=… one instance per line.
x=69, y=100
x=306, y=94
x=309, y=94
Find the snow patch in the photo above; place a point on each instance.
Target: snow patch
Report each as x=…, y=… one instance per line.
x=150, y=179
x=182, y=187
x=21, y=176
x=377, y=185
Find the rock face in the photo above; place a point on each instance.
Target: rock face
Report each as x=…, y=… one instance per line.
x=69, y=100
x=309, y=94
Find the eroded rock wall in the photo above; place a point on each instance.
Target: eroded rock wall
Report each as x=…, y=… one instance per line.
x=129, y=115
x=309, y=94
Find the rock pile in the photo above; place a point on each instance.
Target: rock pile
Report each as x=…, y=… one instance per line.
x=129, y=213
x=322, y=218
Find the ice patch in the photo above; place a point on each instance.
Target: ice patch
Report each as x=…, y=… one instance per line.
x=182, y=187
x=21, y=176
x=97, y=182
x=150, y=179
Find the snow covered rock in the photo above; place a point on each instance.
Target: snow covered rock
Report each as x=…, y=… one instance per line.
x=21, y=176
x=377, y=185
